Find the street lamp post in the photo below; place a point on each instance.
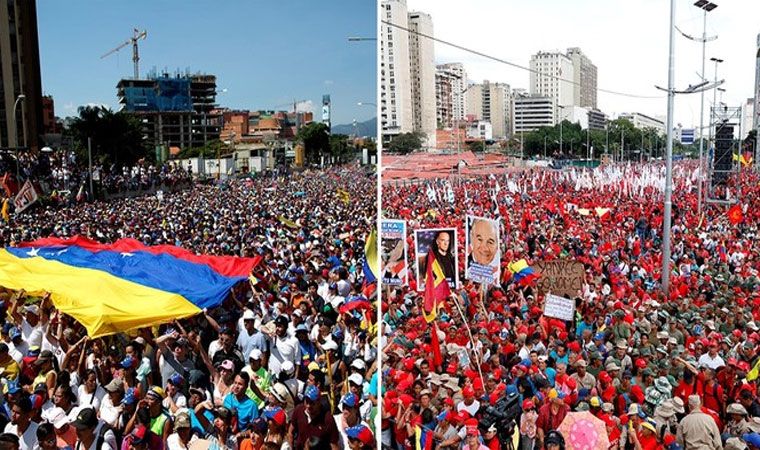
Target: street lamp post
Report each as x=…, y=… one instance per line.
x=544, y=146
x=665, y=282
x=15, y=129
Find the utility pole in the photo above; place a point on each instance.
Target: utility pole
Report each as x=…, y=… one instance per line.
x=89, y=165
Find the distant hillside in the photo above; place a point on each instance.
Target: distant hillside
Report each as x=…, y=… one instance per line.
x=364, y=129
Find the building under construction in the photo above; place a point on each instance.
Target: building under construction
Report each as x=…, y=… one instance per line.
x=177, y=112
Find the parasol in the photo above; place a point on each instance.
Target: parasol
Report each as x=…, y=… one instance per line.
x=583, y=431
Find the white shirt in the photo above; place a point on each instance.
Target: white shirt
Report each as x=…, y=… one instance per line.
x=109, y=440
x=17, y=352
x=283, y=349
x=108, y=412
x=179, y=399
x=28, y=439
x=173, y=442
x=707, y=361
x=87, y=399
x=472, y=409
x=32, y=335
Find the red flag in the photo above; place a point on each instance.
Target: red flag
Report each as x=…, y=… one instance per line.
x=735, y=214
x=435, y=343
x=436, y=288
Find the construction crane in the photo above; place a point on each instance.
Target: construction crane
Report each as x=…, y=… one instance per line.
x=136, y=36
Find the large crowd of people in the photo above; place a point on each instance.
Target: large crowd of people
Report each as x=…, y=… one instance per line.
x=655, y=371
x=280, y=364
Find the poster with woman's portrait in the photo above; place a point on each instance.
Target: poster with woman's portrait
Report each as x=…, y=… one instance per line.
x=393, y=252
x=483, y=250
x=442, y=243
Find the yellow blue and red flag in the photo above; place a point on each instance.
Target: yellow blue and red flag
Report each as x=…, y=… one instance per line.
x=111, y=288
x=522, y=273
x=436, y=288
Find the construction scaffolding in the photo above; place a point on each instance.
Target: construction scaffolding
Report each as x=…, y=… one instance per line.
x=724, y=120
x=176, y=111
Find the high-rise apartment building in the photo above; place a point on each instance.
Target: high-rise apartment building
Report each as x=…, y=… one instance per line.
x=584, y=79
x=490, y=102
x=395, y=77
x=569, y=78
x=444, y=102
x=20, y=117
x=756, y=115
x=422, y=71
x=458, y=87
x=551, y=76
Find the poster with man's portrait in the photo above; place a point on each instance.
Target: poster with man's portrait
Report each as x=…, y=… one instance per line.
x=442, y=244
x=393, y=252
x=483, y=250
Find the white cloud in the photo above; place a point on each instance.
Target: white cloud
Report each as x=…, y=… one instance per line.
x=626, y=40
x=305, y=106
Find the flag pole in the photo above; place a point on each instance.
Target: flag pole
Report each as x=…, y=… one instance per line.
x=472, y=340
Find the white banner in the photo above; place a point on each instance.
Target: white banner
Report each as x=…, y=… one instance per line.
x=559, y=307
x=25, y=197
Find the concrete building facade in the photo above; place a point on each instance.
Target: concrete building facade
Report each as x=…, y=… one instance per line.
x=444, y=102
x=491, y=102
x=458, y=87
x=422, y=71
x=597, y=120
x=395, y=76
x=532, y=112
x=584, y=79
x=551, y=75
x=640, y=120
x=20, y=75
x=175, y=111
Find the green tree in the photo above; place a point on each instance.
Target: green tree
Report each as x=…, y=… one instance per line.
x=340, y=148
x=116, y=137
x=405, y=143
x=316, y=141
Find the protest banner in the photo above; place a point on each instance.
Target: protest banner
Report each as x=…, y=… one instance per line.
x=25, y=197
x=559, y=307
x=562, y=277
x=482, y=250
x=443, y=242
x=393, y=252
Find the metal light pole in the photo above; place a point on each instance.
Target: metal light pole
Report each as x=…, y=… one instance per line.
x=607, y=140
x=560, y=128
x=706, y=6
x=544, y=147
x=669, y=157
x=89, y=166
x=715, y=93
x=588, y=144
x=15, y=129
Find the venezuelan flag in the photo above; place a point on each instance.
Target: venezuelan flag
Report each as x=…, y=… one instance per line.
x=370, y=266
x=111, y=290
x=423, y=438
x=522, y=273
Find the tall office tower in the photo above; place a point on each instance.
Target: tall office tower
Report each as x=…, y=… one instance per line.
x=20, y=117
x=422, y=70
x=551, y=76
x=395, y=78
x=584, y=78
x=458, y=87
x=491, y=102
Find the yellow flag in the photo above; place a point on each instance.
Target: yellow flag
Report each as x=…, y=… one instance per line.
x=6, y=216
x=287, y=222
x=753, y=374
x=344, y=196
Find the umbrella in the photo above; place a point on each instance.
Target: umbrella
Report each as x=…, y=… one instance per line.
x=583, y=431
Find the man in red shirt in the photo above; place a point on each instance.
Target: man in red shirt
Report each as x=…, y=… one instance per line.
x=551, y=414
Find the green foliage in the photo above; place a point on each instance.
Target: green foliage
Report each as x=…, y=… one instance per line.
x=316, y=140
x=116, y=137
x=476, y=146
x=208, y=151
x=546, y=140
x=404, y=143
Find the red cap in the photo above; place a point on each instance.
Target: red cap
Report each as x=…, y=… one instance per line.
x=641, y=364
x=468, y=392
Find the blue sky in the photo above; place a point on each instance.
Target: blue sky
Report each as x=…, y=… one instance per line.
x=266, y=54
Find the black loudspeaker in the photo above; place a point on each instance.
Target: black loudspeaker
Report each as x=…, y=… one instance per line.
x=723, y=159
